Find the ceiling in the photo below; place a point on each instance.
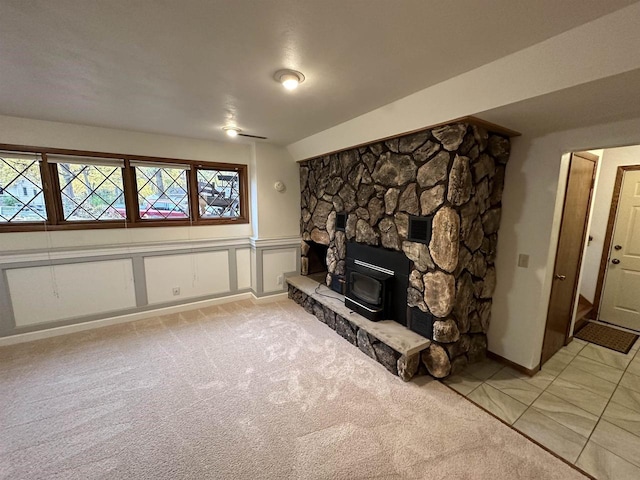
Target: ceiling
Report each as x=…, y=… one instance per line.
x=189, y=67
x=607, y=100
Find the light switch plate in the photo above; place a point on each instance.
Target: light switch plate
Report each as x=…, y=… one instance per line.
x=523, y=260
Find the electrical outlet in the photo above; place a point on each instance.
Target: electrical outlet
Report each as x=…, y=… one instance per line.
x=176, y=291
x=279, y=279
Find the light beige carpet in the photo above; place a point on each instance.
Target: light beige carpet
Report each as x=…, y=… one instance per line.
x=239, y=392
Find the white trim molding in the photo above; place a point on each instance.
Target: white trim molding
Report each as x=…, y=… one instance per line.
x=275, y=242
x=130, y=249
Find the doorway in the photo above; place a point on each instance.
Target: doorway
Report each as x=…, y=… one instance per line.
x=575, y=301
x=571, y=242
x=618, y=301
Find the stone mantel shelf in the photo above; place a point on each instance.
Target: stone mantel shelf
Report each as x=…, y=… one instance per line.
x=389, y=332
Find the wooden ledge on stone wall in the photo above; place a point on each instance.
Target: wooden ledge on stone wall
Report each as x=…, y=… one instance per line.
x=469, y=119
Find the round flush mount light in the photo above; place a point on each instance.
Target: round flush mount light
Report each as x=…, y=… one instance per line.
x=231, y=131
x=290, y=79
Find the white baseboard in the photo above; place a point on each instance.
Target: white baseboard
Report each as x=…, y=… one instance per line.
x=276, y=297
x=132, y=317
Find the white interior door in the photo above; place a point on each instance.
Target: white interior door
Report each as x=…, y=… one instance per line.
x=621, y=295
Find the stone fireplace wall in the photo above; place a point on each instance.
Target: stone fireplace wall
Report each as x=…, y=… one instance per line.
x=454, y=173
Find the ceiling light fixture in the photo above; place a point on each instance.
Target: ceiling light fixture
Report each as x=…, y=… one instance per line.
x=232, y=131
x=290, y=79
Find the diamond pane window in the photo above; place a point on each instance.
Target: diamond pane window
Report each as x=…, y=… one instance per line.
x=162, y=190
x=218, y=193
x=91, y=189
x=21, y=196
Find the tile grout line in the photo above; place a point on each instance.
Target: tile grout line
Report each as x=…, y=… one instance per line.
x=604, y=410
x=545, y=389
x=575, y=406
x=473, y=389
x=484, y=382
x=531, y=439
x=528, y=406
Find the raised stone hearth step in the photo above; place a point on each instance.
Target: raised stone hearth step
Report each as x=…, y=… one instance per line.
x=393, y=345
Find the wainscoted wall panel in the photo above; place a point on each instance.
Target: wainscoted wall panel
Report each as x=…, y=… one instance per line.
x=271, y=259
x=55, y=292
x=243, y=266
x=195, y=275
x=43, y=289
x=274, y=264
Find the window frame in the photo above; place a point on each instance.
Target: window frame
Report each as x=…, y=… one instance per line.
x=194, y=181
x=53, y=197
x=164, y=221
x=29, y=225
x=57, y=195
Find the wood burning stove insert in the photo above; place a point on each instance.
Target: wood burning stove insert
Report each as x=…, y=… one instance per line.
x=376, y=282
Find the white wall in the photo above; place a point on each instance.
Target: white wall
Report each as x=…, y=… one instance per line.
x=278, y=213
x=48, y=293
x=581, y=55
x=611, y=160
x=276, y=218
x=23, y=131
x=194, y=274
x=274, y=264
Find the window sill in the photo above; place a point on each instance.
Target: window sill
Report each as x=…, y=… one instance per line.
x=41, y=227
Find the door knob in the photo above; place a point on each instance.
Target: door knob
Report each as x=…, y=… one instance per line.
x=618, y=247
x=560, y=277
x=615, y=261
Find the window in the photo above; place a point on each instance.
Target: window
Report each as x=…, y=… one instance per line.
x=162, y=190
x=218, y=193
x=91, y=189
x=19, y=171
x=57, y=189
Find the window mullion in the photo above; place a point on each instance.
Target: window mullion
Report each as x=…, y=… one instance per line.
x=51, y=187
x=243, y=192
x=130, y=193
x=194, y=201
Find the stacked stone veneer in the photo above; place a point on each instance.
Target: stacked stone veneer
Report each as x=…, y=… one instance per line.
x=454, y=173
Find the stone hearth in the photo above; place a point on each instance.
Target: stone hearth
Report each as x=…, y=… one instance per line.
x=453, y=173
x=388, y=342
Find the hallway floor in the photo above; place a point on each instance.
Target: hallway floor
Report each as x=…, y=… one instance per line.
x=583, y=405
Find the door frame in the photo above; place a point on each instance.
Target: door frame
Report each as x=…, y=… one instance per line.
x=606, y=247
x=596, y=159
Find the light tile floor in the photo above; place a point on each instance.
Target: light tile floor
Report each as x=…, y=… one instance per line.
x=584, y=405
